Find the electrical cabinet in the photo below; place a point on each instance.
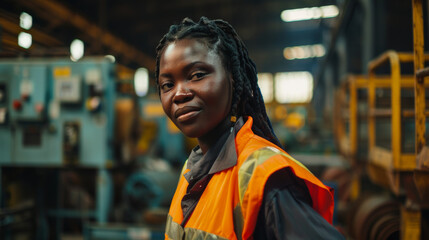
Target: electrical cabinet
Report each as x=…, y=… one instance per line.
x=56, y=112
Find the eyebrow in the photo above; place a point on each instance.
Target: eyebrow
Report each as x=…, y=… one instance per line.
x=166, y=75
x=185, y=69
x=190, y=66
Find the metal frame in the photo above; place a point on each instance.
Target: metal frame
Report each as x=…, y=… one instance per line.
x=395, y=158
x=351, y=87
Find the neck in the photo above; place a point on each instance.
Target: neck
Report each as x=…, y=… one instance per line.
x=207, y=141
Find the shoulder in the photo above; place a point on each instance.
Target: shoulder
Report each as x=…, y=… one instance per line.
x=259, y=151
x=284, y=181
x=252, y=146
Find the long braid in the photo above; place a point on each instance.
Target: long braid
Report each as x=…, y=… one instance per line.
x=221, y=37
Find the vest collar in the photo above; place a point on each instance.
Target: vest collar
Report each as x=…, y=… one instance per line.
x=227, y=155
x=244, y=135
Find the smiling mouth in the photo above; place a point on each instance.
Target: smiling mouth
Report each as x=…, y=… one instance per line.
x=186, y=113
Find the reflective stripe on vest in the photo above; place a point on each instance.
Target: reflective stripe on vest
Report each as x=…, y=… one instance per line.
x=175, y=231
x=255, y=159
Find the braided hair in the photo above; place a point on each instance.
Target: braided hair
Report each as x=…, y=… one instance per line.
x=221, y=37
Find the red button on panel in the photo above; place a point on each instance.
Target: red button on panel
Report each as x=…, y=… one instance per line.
x=17, y=105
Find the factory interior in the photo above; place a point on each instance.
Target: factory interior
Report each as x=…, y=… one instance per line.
x=87, y=152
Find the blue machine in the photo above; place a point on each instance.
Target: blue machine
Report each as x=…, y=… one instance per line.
x=58, y=113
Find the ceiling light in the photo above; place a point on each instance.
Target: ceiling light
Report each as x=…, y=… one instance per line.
x=76, y=50
x=329, y=11
x=301, y=14
x=25, y=40
x=111, y=58
x=141, y=82
x=303, y=52
x=25, y=20
x=318, y=50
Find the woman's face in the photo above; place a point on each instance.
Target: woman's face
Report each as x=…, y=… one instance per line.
x=195, y=88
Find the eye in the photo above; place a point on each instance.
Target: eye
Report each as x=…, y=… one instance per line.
x=166, y=86
x=198, y=75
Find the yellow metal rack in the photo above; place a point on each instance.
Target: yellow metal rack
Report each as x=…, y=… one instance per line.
x=393, y=162
x=405, y=173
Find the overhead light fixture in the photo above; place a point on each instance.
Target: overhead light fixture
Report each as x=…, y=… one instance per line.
x=329, y=11
x=265, y=82
x=25, y=21
x=293, y=87
x=303, y=52
x=141, y=82
x=111, y=58
x=25, y=40
x=302, y=14
x=77, y=50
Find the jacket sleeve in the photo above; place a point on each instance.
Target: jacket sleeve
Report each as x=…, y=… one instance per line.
x=286, y=212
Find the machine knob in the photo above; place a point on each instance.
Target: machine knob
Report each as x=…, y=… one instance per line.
x=93, y=104
x=17, y=105
x=25, y=96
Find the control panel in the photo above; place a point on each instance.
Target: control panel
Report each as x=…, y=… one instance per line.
x=56, y=112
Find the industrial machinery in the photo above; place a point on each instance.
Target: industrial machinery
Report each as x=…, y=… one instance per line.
x=56, y=115
x=76, y=149
x=391, y=151
x=58, y=107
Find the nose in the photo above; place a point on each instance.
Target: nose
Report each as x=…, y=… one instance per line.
x=183, y=94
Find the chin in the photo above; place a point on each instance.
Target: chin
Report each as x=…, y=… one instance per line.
x=191, y=132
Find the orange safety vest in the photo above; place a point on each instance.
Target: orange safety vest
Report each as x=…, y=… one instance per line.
x=229, y=206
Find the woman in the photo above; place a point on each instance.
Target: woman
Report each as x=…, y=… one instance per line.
x=237, y=183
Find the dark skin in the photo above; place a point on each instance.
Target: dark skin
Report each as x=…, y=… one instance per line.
x=195, y=90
